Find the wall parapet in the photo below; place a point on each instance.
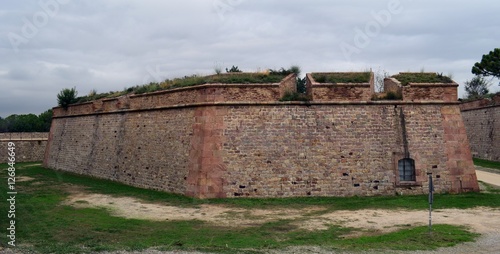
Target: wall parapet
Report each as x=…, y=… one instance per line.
x=326, y=91
x=481, y=103
x=218, y=92
x=250, y=103
x=430, y=91
x=414, y=91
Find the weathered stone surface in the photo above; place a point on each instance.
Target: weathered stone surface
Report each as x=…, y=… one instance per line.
x=148, y=149
x=224, y=144
x=431, y=91
x=339, y=91
x=29, y=147
x=482, y=122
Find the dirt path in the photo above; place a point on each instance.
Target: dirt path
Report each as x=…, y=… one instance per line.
x=485, y=221
x=488, y=177
x=482, y=220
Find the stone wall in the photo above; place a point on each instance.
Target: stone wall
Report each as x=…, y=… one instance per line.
x=339, y=91
x=148, y=149
x=340, y=150
x=422, y=91
x=185, y=96
x=211, y=142
x=392, y=85
x=482, y=122
x=29, y=146
x=430, y=91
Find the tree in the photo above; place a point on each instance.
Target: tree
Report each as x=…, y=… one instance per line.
x=23, y=123
x=66, y=97
x=27, y=122
x=301, y=85
x=489, y=65
x=45, y=120
x=476, y=88
x=3, y=125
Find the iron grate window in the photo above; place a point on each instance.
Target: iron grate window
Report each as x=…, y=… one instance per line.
x=406, y=168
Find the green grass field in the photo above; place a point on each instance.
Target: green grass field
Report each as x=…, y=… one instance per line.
x=44, y=224
x=487, y=164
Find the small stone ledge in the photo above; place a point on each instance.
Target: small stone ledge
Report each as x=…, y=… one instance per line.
x=432, y=85
x=24, y=139
x=408, y=184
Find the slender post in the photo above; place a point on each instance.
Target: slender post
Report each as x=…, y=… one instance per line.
x=431, y=200
x=430, y=218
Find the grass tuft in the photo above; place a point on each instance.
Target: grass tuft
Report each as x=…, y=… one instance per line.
x=342, y=77
x=419, y=77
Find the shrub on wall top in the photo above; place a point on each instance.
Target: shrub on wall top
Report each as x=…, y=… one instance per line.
x=66, y=97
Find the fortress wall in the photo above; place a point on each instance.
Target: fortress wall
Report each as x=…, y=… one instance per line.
x=29, y=146
x=148, y=149
x=482, y=122
x=238, y=140
x=268, y=149
x=340, y=150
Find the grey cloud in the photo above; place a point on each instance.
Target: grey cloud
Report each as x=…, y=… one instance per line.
x=113, y=44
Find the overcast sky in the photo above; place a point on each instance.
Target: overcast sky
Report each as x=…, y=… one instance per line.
x=107, y=45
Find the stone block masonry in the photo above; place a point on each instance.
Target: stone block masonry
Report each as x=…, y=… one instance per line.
x=149, y=149
x=341, y=150
x=210, y=142
x=30, y=146
x=482, y=122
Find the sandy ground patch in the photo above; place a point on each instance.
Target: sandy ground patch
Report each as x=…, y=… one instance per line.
x=135, y=209
x=24, y=179
x=488, y=177
x=481, y=220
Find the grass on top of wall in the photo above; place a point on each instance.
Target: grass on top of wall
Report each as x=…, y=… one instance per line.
x=421, y=77
x=45, y=224
x=193, y=80
x=342, y=77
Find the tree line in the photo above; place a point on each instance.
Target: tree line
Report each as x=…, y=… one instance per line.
x=27, y=122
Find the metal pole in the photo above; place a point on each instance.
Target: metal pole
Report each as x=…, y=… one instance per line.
x=431, y=200
x=430, y=218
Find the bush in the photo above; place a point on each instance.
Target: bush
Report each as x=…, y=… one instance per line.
x=386, y=96
x=233, y=69
x=66, y=97
x=392, y=96
x=294, y=96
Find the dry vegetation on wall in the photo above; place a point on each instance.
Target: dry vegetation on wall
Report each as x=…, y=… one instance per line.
x=342, y=77
x=269, y=76
x=421, y=77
